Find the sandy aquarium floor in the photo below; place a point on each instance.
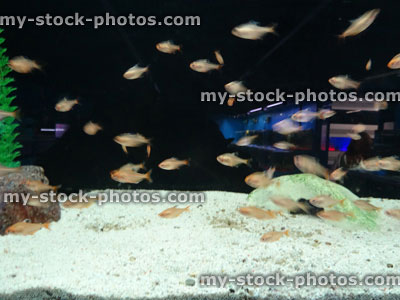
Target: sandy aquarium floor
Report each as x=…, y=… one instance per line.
x=117, y=251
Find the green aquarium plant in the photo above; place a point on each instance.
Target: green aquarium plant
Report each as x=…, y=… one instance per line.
x=8, y=144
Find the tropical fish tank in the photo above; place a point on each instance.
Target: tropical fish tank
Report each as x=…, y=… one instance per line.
x=199, y=150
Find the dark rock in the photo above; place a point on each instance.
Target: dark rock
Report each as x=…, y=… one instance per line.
x=13, y=212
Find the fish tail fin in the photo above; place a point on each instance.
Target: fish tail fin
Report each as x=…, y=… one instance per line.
x=249, y=161
x=357, y=85
x=187, y=208
x=286, y=232
x=47, y=225
x=187, y=162
x=148, y=150
x=273, y=29
x=55, y=188
x=17, y=114
x=148, y=176
x=180, y=48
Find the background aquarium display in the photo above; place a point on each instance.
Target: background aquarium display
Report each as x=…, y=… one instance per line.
x=205, y=149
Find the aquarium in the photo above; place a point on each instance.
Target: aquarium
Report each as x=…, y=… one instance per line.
x=206, y=149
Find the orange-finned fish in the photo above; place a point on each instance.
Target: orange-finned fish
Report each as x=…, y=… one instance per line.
x=132, y=167
x=324, y=114
x=365, y=205
x=235, y=87
x=78, y=203
x=246, y=140
x=323, y=201
x=368, y=65
x=389, y=163
x=334, y=215
x=252, y=31
x=65, y=105
x=286, y=126
x=131, y=140
x=258, y=213
x=173, y=212
x=260, y=179
x=231, y=160
x=91, y=128
x=39, y=187
x=204, y=66
x=173, y=163
x=6, y=170
x=274, y=236
x=231, y=101
x=304, y=116
x=284, y=145
x=288, y=203
x=308, y=164
x=361, y=23
x=219, y=57
x=343, y=82
x=127, y=176
x=25, y=228
x=338, y=174
x=13, y=114
x=395, y=213
x=23, y=65
x=168, y=47
x=394, y=63
x=135, y=72
x=370, y=164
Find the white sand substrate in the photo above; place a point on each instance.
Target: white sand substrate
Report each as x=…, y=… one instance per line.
x=128, y=251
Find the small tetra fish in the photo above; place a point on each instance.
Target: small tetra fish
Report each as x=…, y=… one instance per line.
x=337, y=175
x=131, y=140
x=368, y=65
x=273, y=236
x=13, y=114
x=133, y=167
x=39, y=187
x=231, y=160
x=6, y=170
x=260, y=179
x=371, y=164
x=173, y=163
x=389, y=164
x=358, y=128
x=135, y=72
x=258, y=213
x=127, y=176
x=173, y=212
x=395, y=213
x=288, y=203
x=365, y=205
x=325, y=201
x=78, y=203
x=235, y=87
x=324, y=114
x=252, y=31
x=361, y=23
x=168, y=47
x=246, y=140
x=91, y=128
x=25, y=228
x=204, y=66
x=394, y=63
x=219, y=57
x=23, y=65
x=286, y=126
x=308, y=164
x=304, y=116
x=333, y=215
x=343, y=82
x=65, y=105
x=34, y=200
x=284, y=145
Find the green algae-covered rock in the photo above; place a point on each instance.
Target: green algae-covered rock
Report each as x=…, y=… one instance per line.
x=308, y=186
